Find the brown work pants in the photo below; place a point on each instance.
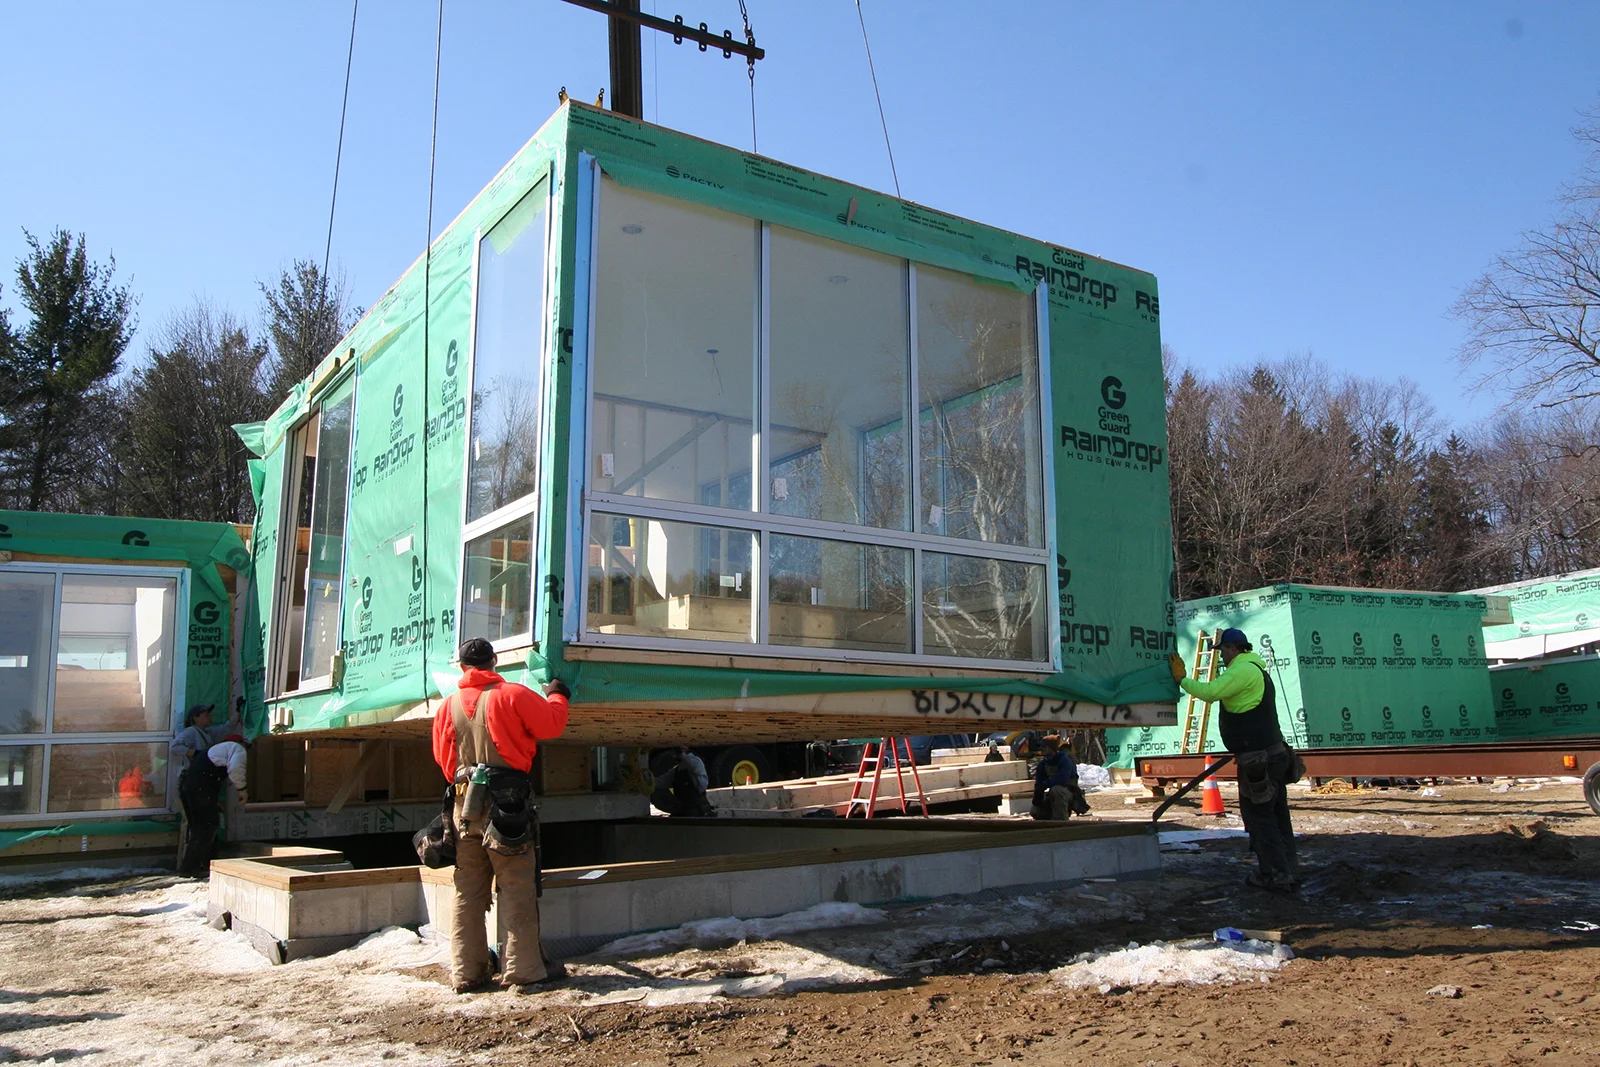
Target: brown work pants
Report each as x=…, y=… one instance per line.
x=516, y=892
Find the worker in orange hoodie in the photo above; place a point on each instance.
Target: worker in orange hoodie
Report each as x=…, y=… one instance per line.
x=484, y=739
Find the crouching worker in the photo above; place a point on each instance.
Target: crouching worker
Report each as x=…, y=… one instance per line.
x=1266, y=764
x=232, y=755
x=484, y=739
x=681, y=791
x=1056, y=794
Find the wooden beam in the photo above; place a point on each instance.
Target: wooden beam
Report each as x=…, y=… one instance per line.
x=370, y=750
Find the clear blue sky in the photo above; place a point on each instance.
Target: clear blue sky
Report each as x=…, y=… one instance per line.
x=1298, y=179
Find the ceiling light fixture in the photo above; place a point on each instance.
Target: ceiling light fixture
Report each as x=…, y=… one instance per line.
x=838, y=279
x=632, y=228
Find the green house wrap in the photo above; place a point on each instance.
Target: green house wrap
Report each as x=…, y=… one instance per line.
x=736, y=450
x=1353, y=667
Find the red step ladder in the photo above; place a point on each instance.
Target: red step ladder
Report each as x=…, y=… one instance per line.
x=872, y=758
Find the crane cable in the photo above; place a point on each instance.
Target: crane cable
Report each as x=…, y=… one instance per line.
x=338, y=155
x=873, y=71
x=750, y=37
x=427, y=277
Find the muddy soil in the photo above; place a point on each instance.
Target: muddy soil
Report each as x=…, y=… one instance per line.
x=1490, y=893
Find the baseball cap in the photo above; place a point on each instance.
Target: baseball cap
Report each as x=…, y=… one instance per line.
x=475, y=652
x=1233, y=637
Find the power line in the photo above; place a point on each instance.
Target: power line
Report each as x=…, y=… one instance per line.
x=427, y=277
x=873, y=71
x=338, y=156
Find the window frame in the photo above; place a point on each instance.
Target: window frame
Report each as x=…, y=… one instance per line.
x=282, y=597
x=760, y=520
x=528, y=505
x=48, y=739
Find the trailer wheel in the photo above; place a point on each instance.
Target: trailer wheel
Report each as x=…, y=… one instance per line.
x=741, y=765
x=1591, y=787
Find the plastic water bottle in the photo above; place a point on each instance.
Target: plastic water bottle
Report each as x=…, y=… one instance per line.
x=1229, y=933
x=475, y=804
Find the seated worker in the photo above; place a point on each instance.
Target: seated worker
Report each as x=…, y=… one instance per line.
x=1250, y=730
x=1056, y=794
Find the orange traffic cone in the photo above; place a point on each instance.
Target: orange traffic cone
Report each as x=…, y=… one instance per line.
x=1210, y=795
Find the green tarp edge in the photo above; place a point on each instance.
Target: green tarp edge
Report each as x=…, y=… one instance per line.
x=155, y=824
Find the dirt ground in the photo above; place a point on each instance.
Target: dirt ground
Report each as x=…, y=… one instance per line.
x=1489, y=892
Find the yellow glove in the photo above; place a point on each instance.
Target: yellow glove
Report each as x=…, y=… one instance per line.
x=1179, y=671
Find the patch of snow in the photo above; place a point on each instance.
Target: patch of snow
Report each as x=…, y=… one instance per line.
x=1183, y=962
x=1093, y=776
x=710, y=933
x=88, y=875
x=1185, y=837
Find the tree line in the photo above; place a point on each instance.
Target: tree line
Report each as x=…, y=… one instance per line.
x=86, y=429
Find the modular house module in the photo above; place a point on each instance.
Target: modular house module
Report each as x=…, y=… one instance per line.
x=740, y=452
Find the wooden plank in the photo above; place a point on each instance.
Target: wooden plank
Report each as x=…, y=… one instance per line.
x=367, y=757
x=74, y=843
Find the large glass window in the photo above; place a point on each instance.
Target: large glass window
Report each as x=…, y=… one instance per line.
x=839, y=594
x=509, y=363
x=977, y=372
x=497, y=585
x=669, y=579
x=310, y=601
x=90, y=658
x=27, y=617
x=839, y=393
x=114, y=658
x=113, y=777
x=877, y=423
x=21, y=771
x=983, y=608
x=674, y=369
x=508, y=342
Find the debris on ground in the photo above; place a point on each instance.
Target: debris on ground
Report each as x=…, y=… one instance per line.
x=1451, y=991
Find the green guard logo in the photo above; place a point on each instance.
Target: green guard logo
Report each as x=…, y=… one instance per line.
x=452, y=360
x=399, y=399
x=5, y=532
x=1112, y=393
x=136, y=538
x=366, y=592
x=416, y=574
x=206, y=613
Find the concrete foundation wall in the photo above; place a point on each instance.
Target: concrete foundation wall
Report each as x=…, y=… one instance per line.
x=289, y=913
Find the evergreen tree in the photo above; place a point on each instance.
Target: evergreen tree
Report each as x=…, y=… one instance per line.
x=54, y=372
x=306, y=314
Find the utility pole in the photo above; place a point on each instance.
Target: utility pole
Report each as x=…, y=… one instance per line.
x=627, y=64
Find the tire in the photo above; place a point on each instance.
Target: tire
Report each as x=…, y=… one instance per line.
x=1591, y=788
x=740, y=765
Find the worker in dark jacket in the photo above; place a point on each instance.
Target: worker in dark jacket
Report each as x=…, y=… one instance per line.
x=1266, y=765
x=1056, y=794
x=484, y=739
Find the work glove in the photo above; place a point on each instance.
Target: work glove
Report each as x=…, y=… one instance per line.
x=1179, y=671
x=556, y=686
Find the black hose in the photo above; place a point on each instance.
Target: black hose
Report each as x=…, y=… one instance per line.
x=1226, y=759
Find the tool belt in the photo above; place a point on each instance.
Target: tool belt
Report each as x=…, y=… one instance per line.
x=1256, y=783
x=498, y=803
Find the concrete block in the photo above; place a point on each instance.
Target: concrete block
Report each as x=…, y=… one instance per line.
x=1095, y=858
x=775, y=891
x=1016, y=804
x=661, y=902
x=1023, y=865
x=328, y=912
x=604, y=910
x=558, y=913
x=940, y=874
